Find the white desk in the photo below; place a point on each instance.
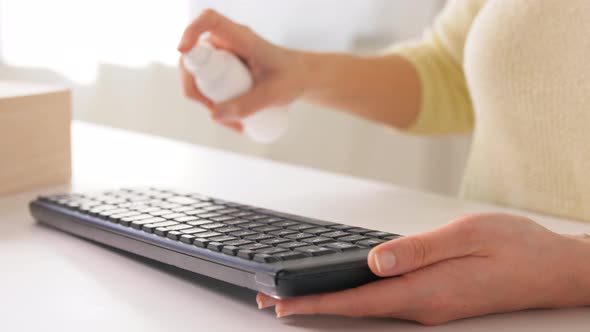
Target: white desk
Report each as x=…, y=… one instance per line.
x=50, y=281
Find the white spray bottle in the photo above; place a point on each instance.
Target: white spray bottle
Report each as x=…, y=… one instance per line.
x=221, y=76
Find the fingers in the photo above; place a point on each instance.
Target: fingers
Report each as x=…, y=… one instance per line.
x=217, y=24
x=410, y=253
x=260, y=97
x=374, y=299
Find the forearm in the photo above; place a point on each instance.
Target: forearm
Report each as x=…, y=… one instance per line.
x=383, y=89
x=576, y=273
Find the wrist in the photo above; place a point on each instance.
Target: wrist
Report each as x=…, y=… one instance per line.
x=575, y=275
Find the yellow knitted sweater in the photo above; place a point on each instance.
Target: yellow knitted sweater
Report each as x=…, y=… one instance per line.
x=517, y=72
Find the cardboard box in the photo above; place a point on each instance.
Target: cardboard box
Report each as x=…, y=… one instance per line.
x=34, y=136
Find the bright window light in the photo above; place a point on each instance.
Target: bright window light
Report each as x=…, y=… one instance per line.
x=73, y=37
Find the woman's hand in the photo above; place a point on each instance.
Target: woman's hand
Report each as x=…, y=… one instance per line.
x=277, y=72
x=477, y=265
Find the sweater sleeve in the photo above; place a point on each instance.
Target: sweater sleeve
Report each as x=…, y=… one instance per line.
x=438, y=59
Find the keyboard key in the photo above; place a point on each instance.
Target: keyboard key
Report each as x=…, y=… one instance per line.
x=173, y=215
x=174, y=235
x=212, y=226
x=255, y=217
x=265, y=258
x=182, y=200
x=101, y=208
x=138, y=224
x=208, y=215
x=161, y=231
x=392, y=237
x=242, y=214
x=317, y=230
x=146, y=209
x=341, y=227
x=237, y=222
x=242, y=233
x=200, y=222
x=370, y=242
x=201, y=205
x=315, y=250
x=227, y=211
x=274, y=241
x=287, y=256
x=378, y=234
x=291, y=245
x=230, y=250
x=266, y=229
x=223, y=238
x=161, y=212
x=246, y=254
x=359, y=230
x=179, y=227
x=300, y=227
x=200, y=242
x=258, y=237
x=128, y=220
x=239, y=243
x=186, y=219
x=109, y=213
x=352, y=238
x=194, y=212
x=115, y=217
x=206, y=234
x=228, y=229
x=251, y=225
x=336, y=234
x=222, y=218
x=318, y=240
x=286, y=223
x=341, y=246
x=165, y=224
x=282, y=232
x=187, y=238
x=255, y=246
x=150, y=228
x=299, y=236
x=215, y=246
x=193, y=230
x=214, y=208
x=272, y=251
x=182, y=209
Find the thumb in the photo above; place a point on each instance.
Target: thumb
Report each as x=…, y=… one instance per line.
x=260, y=97
x=407, y=254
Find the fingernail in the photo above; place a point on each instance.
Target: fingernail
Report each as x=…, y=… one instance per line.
x=265, y=302
x=283, y=312
x=229, y=112
x=385, y=261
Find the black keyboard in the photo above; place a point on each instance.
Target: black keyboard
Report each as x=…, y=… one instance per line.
x=279, y=254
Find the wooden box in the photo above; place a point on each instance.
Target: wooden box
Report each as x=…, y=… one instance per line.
x=34, y=136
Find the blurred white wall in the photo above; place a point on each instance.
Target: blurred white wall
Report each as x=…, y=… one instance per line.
x=145, y=95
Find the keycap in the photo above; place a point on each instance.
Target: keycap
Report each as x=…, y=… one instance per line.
x=352, y=238
x=160, y=212
x=251, y=225
x=242, y=214
x=161, y=231
x=223, y=238
x=378, y=234
x=108, y=213
x=212, y=226
x=200, y=242
x=206, y=234
x=146, y=209
x=300, y=227
x=101, y=208
x=182, y=200
x=272, y=251
x=286, y=223
x=138, y=224
x=239, y=243
x=342, y=246
x=227, y=211
x=287, y=256
x=230, y=250
x=222, y=218
x=317, y=230
x=255, y=217
x=369, y=242
x=242, y=233
x=298, y=236
x=228, y=229
x=247, y=254
x=318, y=240
x=128, y=220
x=182, y=209
x=336, y=234
x=194, y=212
x=258, y=237
x=173, y=215
x=187, y=238
x=265, y=258
x=392, y=237
x=291, y=245
x=215, y=246
x=274, y=241
x=208, y=215
x=359, y=230
x=193, y=230
x=186, y=219
x=122, y=215
x=266, y=229
x=341, y=227
x=174, y=235
x=315, y=250
x=237, y=222
x=213, y=208
x=255, y=246
x=165, y=224
x=178, y=227
x=282, y=232
x=199, y=222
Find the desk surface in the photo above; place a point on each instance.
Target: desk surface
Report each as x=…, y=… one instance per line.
x=55, y=282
